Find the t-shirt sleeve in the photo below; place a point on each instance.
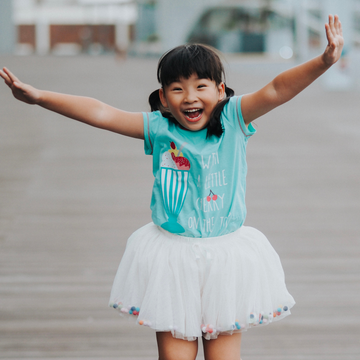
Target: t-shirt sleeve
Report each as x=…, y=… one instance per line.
x=151, y=124
x=234, y=108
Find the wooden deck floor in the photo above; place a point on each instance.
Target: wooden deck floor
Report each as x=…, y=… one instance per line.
x=70, y=195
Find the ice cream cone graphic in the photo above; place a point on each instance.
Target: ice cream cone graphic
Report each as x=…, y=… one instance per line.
x=174, y=186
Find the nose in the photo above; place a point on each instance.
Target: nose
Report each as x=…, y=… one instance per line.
x=190, y=97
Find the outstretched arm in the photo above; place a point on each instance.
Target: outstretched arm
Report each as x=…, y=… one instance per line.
x=84, y=109
x=291, y=82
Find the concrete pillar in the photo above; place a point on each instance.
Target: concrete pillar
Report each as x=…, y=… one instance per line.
x=42, y=34
x=122, y=37
x=339, y=77
x=302, y=34
x=7, y=27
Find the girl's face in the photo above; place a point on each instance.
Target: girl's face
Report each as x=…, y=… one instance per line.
x=191, y=101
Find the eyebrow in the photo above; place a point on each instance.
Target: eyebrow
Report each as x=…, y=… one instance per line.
x=197, y=78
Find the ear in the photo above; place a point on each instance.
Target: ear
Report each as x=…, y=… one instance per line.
x=163, y=98
x=221, y=89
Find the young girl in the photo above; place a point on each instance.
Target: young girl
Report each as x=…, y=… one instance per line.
x=196, y=270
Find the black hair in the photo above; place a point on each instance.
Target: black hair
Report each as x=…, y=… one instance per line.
x=184, y=61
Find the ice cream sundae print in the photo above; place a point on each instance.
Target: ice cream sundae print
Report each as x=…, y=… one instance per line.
x=174, y=185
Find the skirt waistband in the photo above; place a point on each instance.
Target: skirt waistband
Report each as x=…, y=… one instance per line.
x=193, y=240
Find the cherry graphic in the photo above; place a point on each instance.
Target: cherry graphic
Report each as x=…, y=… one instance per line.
x=173, y=146
x=214, y=196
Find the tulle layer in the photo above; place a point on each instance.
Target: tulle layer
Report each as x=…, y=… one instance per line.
x=200, y=287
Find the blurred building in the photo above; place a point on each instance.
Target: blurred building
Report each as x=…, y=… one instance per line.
x=74, y=26
x=280, y=27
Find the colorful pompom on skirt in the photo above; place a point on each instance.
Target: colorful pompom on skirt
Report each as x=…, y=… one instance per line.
x=197, y=287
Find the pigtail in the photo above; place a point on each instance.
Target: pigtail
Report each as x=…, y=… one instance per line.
x=215, y=127
x=154, y=101
x=156, y=105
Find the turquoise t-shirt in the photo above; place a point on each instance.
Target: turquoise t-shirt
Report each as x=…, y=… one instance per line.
x=199, y=187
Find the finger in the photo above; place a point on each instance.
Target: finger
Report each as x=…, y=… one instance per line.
x=11, y=75
x=9, y=82
x=3, y=75
x=337, y=24
x=331, y=23
x=340, y=28
x=18, y=85
x=329, y=34
x=6, y=78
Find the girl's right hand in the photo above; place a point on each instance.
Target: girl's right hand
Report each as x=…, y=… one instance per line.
x=21, y=91
x=87, y=110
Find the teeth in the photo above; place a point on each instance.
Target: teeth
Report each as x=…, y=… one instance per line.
x=193, y=110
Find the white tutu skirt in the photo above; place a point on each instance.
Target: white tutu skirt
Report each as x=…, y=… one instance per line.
x=200, y=286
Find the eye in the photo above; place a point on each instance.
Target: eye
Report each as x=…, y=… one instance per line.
x=201, y=86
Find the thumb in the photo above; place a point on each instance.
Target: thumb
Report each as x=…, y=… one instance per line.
x=18, y=85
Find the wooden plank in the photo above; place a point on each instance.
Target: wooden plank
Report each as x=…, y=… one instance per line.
x=70, y=196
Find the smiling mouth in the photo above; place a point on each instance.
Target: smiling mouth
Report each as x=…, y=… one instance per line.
x=193, y=114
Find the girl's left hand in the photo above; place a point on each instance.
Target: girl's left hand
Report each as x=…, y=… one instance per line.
x=335, y=39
